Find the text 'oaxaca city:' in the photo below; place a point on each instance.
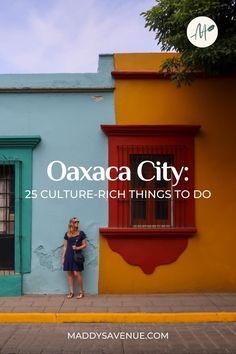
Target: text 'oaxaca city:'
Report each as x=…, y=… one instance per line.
x=58, y=171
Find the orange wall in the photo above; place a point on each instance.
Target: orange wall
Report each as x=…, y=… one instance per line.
x=209, y=263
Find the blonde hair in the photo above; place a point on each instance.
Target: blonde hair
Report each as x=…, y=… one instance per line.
x=70, y=225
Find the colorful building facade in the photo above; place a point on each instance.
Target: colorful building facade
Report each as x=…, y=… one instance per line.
x=198, y=257
x=124, y=114
x=46, y=118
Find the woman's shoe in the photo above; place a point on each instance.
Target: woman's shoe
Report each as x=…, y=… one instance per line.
x=81, y=294
x=70, y=295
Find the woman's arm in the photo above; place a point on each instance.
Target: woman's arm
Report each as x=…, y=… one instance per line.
x=84, y=245
x=64, y=251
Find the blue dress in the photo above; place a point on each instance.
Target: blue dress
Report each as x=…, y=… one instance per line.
x=69, y=263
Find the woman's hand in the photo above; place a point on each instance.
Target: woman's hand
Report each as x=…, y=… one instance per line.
x=62, y=260
x=75, y=248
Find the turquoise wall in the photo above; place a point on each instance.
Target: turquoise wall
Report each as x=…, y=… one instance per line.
x=69, y=125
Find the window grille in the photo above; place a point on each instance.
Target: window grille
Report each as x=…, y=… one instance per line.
x=150, y=206
x=7, y=215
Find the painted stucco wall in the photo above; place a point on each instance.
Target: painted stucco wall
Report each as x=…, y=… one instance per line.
x=69, y=126
x=208, y=264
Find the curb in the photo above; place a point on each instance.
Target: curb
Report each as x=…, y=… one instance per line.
x=117, y=317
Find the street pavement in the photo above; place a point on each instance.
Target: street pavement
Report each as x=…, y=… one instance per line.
x=120, y=338
x=197, y=338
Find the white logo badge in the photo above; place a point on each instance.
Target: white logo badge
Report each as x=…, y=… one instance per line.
x=202, y=31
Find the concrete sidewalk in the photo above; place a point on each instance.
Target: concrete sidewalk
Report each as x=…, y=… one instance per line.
x=207, y=307
x=168, y=303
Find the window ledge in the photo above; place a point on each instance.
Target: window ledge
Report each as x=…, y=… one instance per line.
x=138, y=232
x=150, y=130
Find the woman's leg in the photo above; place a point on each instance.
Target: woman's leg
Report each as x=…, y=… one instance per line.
x=79, y=280
x=70, y=281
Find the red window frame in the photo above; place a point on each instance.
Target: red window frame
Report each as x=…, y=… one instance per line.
x=135, y=139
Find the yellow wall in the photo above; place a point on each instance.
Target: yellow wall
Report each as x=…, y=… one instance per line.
x=209, y=262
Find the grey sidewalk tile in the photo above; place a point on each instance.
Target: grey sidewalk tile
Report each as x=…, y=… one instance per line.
x=167, y=301
x=99, y=302
x=116, y=300
x=221, y=302
x=95, y=304
x=38, y=303
x=121, y=303
x=68, y=309
x=51, y=309
x=83, y=301
x=25, y=303
x=50, y=305
x=156, y=309
x=6, y=309
x=68, y=302
x=28, y=309
x=91, y=309
x=186, y=308
x=223, y=298
x=8, y=304
x=227, y=308
x=196, y=301
x=229, y=297
x=210, y=308
x=123, y=309
x=47, y=301
x=11, y=298
x=138, y=303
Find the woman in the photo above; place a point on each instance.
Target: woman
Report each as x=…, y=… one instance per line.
x=74, y=240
